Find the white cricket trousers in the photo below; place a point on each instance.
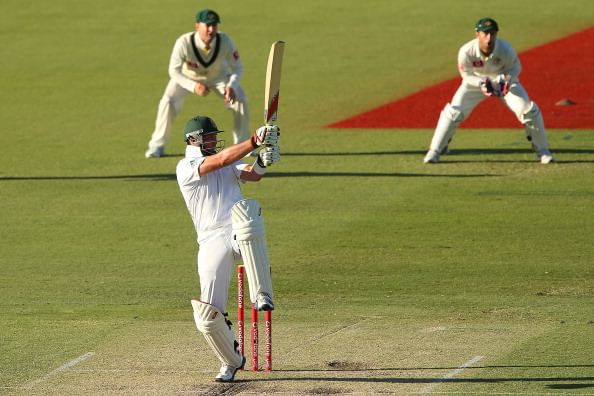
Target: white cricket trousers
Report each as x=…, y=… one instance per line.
x=468, y=97
x=217, y=256
x=171, y=104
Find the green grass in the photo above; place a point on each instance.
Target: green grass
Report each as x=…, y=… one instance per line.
x=389, y=274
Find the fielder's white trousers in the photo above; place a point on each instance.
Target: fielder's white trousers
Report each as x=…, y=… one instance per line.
x=217, y=255
x=468, y=97
x=171, y=104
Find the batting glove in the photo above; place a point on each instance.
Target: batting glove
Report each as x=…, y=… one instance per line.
x=267, y=135
x=487, y=86
x=269, y=155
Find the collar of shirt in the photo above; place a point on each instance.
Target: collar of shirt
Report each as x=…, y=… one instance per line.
x=480, y=53
x=200, y=44
x=193, y=151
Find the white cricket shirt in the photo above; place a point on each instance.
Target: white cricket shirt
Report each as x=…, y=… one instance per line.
x=473, y=65
x=191, y=63
x=209, y=198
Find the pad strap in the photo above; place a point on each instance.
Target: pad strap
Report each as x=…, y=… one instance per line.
x=216, y=330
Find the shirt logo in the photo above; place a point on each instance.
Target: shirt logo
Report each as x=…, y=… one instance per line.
x=478, y=63
x=235, y=55
x=192, y=65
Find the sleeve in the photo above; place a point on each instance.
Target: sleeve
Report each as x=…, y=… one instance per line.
x=239, y=167
x=178, y=57
x=232, y=58
x=187, y=170
x=466, y=69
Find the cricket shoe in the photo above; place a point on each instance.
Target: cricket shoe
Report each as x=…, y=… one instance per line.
x=227, y=373
x=264, y=302
x=545, y=158
x=432, y=157
x=155, y=152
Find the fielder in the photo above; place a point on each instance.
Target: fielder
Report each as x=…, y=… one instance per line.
x=489, y=66
x=227, y=227
x=202, y=61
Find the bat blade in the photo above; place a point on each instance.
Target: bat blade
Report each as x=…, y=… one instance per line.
x=273, y=76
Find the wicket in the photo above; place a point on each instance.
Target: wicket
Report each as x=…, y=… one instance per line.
x=254, y=329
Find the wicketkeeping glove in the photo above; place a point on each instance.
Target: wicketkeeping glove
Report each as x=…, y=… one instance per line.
x=487, y=86
x=266, y=135
x=269, y=155
x=502, y=85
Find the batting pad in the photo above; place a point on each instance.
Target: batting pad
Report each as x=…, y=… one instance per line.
x=248, y=228
x=535, y=129
x=212, y=324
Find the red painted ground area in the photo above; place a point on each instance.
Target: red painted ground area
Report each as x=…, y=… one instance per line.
x=562, y=69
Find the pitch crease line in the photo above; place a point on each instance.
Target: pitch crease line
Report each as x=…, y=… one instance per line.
x=451, y=374
x=60, y=369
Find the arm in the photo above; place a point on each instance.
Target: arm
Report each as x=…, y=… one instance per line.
x=513, y=67
x=266, y=135
x=226, y=157
x=178, y=57
x=235, y=67
x=465, y=68
x=267, y=156
x=510, y=69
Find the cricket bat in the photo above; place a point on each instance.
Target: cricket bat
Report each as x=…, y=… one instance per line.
x=273, y=76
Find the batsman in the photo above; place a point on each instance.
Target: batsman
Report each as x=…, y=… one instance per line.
x=228, y=228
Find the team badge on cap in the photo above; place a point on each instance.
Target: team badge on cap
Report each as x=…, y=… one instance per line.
x=486, y=25
x=208, y=16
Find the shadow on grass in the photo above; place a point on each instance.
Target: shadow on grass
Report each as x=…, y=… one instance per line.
x=453, y=158
x=367, y=376
x=455, y=152
x=546, y=366
x=421, y=380
x=157, y=177
x=171, y=176
x=570, y=386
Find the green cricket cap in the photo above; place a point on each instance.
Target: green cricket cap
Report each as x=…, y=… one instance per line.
x=486, y=25
x=200, y=125
x=208, y=16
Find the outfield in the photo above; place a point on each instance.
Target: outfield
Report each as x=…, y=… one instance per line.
x=474, y=276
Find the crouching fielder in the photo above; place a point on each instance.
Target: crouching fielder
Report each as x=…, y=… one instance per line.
x=227, y=226
x=489, y=66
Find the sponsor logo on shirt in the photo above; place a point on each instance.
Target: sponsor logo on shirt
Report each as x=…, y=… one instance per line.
x=192, y=64
x=478, y=63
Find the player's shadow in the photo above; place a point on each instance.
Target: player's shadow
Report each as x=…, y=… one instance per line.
x=455, y=151
x=374, y=174
x=570, y=386
x=367, y=375
x=171, y=176
x=573, y=382
x=172, y=155
x=457, y=155
x=157, y=177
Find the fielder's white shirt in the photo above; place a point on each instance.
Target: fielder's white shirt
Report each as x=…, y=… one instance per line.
x=209, y=198
x=473, y=65
x=190, y=62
